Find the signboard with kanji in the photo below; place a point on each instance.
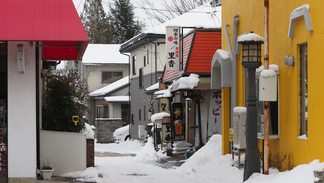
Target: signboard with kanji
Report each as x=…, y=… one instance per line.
x=172, y=44
x=177, y=120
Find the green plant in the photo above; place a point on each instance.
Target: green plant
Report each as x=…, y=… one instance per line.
x=46, y=166
x=63, y=100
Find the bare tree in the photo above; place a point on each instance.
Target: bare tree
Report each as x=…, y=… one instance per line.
x=170, y=8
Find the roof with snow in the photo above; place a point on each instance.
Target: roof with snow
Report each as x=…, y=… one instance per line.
x=117, y=99
x=104, y=54
x=111, y=87
x=203, y=16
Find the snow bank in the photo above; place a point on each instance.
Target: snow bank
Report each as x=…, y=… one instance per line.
x=88, y=175
x=147, y=153
x=300, y=174
x=210, y=166
x=88, y=131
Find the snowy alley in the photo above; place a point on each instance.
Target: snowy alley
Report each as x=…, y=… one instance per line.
x=130, y=161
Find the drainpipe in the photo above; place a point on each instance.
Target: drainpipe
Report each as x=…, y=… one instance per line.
x=234, y=67
x=129, y=94
x=266, y=103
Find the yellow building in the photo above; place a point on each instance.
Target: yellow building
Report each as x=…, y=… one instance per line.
x=296, y=32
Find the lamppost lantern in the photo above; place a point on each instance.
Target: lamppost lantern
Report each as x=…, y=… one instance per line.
x=251, y=49
x=251, y=59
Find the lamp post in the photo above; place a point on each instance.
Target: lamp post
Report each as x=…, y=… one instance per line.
x=251, y=59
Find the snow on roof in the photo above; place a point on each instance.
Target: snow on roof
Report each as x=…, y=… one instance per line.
x=159, y=116
x=104, y=54
x=153, y=87
x=203, y=16
x=163, y=93
x=111, y=87
x=186, y=82
x=117, y=99
x=249, y=37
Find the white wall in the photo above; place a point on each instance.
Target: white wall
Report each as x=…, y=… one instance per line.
x=142, y=51
x=65, y=152
x=94, y=74
x=21, y=113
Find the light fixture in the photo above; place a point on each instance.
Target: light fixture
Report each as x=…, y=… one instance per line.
x=251, y=59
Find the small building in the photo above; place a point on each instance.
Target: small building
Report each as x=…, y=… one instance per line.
x=31, y=32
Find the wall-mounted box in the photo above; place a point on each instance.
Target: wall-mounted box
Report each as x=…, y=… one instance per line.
x=268, y=85
x=20, y=58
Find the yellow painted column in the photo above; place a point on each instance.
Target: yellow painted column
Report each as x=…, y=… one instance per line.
x=225, y=120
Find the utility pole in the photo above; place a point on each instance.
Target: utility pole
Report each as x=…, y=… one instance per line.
x=266, y=103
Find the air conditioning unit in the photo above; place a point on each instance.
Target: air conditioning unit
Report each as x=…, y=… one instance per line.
x=141, y=131
x=239, y=128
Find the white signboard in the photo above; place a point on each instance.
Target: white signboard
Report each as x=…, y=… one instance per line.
x=172, y=37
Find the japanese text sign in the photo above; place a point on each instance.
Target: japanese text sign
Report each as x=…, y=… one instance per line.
x=172, y=48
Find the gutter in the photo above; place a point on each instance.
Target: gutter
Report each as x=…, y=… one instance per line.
x=234, y=66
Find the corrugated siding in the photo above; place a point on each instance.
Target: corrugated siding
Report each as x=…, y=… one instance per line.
x=169, y=75
x=203, y=50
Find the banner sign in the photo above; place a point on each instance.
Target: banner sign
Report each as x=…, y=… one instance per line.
x=177, y=120
x=172, y=44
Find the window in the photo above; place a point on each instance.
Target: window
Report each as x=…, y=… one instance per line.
x=109, y=77
x=148, y=56
x=303, y=90
x=140, y=114
x=134, y=65
x=144, y=61
x=141, y=78
x=144, y=113
x=102, y=111
x=133, y=120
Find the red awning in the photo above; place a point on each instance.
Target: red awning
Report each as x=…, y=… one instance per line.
x=55, y=23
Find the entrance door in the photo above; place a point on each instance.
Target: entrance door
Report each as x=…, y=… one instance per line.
x=3, y=112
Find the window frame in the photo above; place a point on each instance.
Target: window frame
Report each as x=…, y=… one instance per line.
x=303, y=89
x=134, y=65
x=104, y=108
x=141, y=79
x=111, y=79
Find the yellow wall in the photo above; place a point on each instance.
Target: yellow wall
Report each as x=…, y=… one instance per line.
x=251, y=15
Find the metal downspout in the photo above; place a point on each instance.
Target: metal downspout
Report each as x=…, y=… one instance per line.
x=234, y=67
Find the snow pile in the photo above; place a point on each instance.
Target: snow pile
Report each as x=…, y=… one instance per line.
x=249, y=37
x=147, y=153
x=268, y=73
x=163, y=93
x=88, y=131
x=186, y=82
x=271, y=66
x=159, y=116
x=210, y=166
x=88, y=175
x=300, y=174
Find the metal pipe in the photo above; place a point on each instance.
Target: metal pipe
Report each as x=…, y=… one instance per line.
x=266, y=103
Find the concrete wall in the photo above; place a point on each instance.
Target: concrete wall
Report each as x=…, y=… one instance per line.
x=21, y=114
x=105, y=128
x=65, y=152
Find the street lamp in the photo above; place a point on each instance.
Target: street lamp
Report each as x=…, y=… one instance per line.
x=251, y=59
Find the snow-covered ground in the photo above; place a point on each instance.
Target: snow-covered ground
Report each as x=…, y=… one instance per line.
x=206, y=165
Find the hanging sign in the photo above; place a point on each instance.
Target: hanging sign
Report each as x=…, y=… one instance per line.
x=172, y=48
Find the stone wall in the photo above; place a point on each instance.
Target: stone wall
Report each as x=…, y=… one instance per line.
x=105, y=128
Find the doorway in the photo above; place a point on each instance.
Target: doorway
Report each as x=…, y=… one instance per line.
x=3, y=111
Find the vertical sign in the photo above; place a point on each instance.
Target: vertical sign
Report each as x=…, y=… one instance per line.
x=177, y=120
x=172, y=48
x=215, y=113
